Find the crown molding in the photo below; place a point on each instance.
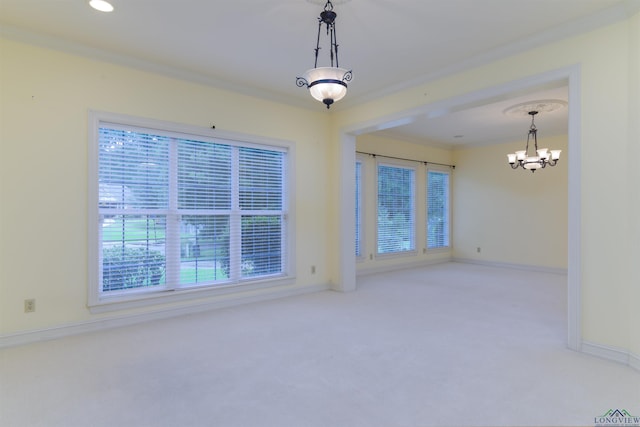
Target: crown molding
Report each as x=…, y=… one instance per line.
x=583, y=25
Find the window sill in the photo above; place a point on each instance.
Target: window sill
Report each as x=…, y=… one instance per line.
x=126, y=302
x=392, y=255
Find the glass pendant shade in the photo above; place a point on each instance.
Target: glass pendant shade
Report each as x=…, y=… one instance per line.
x=543, y=153
x=532, y=166
x=326, y=83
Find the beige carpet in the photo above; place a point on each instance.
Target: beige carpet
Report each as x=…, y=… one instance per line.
x=446, y=345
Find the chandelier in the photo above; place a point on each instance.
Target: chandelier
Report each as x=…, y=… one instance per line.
x=541, y=156
x=326, y=84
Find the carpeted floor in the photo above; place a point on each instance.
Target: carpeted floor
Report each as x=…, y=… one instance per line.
x=445, y=345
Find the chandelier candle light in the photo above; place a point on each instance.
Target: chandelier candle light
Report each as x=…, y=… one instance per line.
x=542, y=156
x=326, y=84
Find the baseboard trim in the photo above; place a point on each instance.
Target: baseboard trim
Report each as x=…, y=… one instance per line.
x=403, y=266
x=634, y=361
x=30, y=337
x=613, y=354
x=526, y=267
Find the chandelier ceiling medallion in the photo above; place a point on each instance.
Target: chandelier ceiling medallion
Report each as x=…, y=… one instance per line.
x=326, y=84
x=540, y=157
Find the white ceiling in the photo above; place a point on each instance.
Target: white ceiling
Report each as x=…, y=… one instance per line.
x=260, y=46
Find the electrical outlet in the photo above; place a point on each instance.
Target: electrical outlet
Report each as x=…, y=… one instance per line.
x=29, y=305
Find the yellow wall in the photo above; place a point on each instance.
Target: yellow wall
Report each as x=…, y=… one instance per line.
x=369, y=143
x=43, y=167
x=44, y=107
x=515, y=217
x=608, y=136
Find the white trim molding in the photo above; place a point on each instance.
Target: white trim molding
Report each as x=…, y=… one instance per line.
x=613, y=354
x=536, y=268
x=29, y=337
x=403, y=266
x=634, y=361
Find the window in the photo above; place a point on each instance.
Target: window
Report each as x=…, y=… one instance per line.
x=358, y=208
x=437, y=209
x=396, y=209
x=179, y=210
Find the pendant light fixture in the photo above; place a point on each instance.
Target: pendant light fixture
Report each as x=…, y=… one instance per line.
x=541, y=156
x=326, y=84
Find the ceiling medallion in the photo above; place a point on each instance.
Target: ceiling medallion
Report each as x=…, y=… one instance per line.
x=322, y=2
x=543, y=106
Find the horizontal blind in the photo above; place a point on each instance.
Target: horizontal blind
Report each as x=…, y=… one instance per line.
x=133, y=199
x=396, y=209
x=437, y=209
x=204, y=175
x=133, y=170
x=261, y=203
x=261, y=179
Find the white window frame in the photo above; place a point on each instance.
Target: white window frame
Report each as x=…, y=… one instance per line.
x=447, y=171
x=405, y=165
x=97, y=301
x=360, y=204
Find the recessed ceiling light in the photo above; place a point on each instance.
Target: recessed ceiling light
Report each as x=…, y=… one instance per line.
x=101, y=5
